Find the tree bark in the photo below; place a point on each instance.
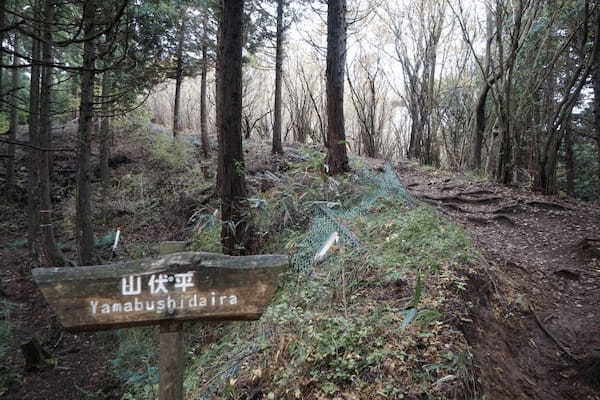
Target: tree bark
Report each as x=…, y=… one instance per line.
x=105, y=133
x=2, y=37
x=235, y=232
x=49, y=252
x=179, y=75
x=13, y=124
x=337, y=156
x=570, y=158
x=75, y=87
x=85, y=232
x=480, y=117
x=34, y=155
x=277, y=146
x=203, y=87
x=219, y=13
x=480, y=124
x=596, y=86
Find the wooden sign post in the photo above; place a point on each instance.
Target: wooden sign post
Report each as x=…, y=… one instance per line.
x=164, y=291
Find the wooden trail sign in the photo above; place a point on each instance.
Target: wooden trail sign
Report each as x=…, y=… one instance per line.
x=181, y=286
x=164, y=291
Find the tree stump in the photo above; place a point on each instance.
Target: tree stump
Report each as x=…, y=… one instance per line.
x=36, y=357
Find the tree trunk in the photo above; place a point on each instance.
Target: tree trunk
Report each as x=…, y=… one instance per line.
x=337, y=156
x=105, y=133
x=179, y=76
x=545, y=177
x=49, y=253
x=85, y=232
x=33, y=181
x=2, y=37
x=480, y=117
x=235, y=232
x=596, y=86
x=13, y=124
x=570, y=158
x=219, y=91
x=277, y=147
x=75, y=87
x=479, y=128
x=203, y=87
x=505, y=168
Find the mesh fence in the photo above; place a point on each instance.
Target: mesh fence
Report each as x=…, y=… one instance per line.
x=329, y=220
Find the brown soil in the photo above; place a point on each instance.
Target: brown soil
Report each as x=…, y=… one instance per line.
x=536, y=315
x=81, y=369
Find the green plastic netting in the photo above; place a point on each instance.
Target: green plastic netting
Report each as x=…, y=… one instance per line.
x=328, y=220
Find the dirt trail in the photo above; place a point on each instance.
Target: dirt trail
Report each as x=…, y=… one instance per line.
x=536, y=329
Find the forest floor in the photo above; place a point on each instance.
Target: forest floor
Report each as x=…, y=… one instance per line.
x=533, y=327
x=81, y=361
x=536, y=330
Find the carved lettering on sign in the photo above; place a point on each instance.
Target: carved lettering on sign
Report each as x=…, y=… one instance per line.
x=178, y=287
x=170, y=304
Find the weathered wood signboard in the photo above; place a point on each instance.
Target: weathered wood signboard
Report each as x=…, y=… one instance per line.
x=163, y=291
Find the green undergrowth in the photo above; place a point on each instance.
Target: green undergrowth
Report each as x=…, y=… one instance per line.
x=376, y=320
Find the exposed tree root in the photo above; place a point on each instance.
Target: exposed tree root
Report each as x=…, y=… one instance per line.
x=547, y=205
x=509, y=208
x=551, y=336
x=478, y=192
x=518, y=266
x=458, y=208
x=479, y=220
x=462, y=199
x=447, y=188
x=483, y=200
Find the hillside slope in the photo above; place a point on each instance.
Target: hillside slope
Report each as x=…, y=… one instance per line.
x=441, y=286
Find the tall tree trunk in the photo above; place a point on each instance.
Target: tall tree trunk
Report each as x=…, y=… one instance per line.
x=570, y=157
x=219, y=13
x=75, y=87
x=85, y=231
x=596, y=86
x=545, y=176
x=504, y=169
x=277, y=147
x=34, y=155
x=105, y=133
x=179, y=75
x=49, y=252
x=204, y=86
x=479, y=126
x=13, y=123
x=336, y=60
x=235, y=233
x=2, y=37
x=480, y=117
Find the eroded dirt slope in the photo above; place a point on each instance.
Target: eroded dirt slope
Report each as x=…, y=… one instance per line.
x=536, y=328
